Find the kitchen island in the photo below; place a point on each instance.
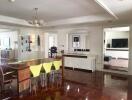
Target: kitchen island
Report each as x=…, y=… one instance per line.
x=22, y=69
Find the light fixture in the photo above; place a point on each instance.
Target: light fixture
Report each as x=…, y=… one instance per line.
x=11, y=0
x=121, y=0
x=36, y=21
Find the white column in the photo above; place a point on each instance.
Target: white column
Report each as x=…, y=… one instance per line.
x=130, y=52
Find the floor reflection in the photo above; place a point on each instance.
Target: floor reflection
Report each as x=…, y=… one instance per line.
x=87, y=86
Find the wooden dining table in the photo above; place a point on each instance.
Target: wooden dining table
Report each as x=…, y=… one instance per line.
x=22, y=69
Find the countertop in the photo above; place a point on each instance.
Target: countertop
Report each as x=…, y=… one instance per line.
x=79, y=55
x=26, y=63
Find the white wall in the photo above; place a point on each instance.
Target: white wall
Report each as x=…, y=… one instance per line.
x=130, y=52
x=109, y=35
x=46, y=46
x=83, y=37
x=95, y=36
x=94, y=41
x=37, y=51
x=96, y=45
x=4, y=39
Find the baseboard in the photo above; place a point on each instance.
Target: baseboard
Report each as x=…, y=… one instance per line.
x=124, y=58
x=83, y=70
x=120, y=77
x=70, y=68
x=114, y=71
x=78, y=69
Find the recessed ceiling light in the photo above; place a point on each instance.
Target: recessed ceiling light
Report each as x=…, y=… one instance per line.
x=11, y=0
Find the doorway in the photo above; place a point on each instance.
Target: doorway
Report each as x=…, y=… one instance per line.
x=52, y=42
x=116, y=48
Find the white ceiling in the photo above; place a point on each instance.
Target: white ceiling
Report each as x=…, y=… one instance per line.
x=118, y=29
x=5, y=30
x=67, y=11
x=50, y=10
x=121, y=8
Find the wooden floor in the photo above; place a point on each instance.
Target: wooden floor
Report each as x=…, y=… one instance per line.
x=80, y=85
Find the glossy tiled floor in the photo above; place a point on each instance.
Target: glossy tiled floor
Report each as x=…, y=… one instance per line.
x=80, y=85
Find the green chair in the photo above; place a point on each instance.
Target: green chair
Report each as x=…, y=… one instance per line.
x=34, y=73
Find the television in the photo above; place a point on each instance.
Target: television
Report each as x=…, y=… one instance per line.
x=120, y=43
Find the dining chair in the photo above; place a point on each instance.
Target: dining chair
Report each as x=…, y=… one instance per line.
x=5, y=80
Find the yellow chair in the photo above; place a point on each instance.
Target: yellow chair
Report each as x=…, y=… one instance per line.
x=35, y=72
x=57, y=64
x=47, y=68
x=56, y=72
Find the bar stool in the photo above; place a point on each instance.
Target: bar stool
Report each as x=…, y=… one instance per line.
x=34, y=74
x=42, y=76
x=47, y=67
x=57, y=64
x=57, y=72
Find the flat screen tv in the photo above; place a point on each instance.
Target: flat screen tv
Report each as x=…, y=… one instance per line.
x=120, y=43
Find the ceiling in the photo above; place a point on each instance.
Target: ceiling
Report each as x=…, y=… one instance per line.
x=118, y=29
x=121, y=8
x=55, y=12
x=5, y=30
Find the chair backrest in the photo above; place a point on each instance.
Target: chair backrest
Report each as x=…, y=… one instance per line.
x=35, y=70
x=47, y=67
x=1, y=75
x=3, y=70
x=57, y=64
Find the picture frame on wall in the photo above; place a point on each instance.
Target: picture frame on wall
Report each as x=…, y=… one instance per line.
x=75, y=41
